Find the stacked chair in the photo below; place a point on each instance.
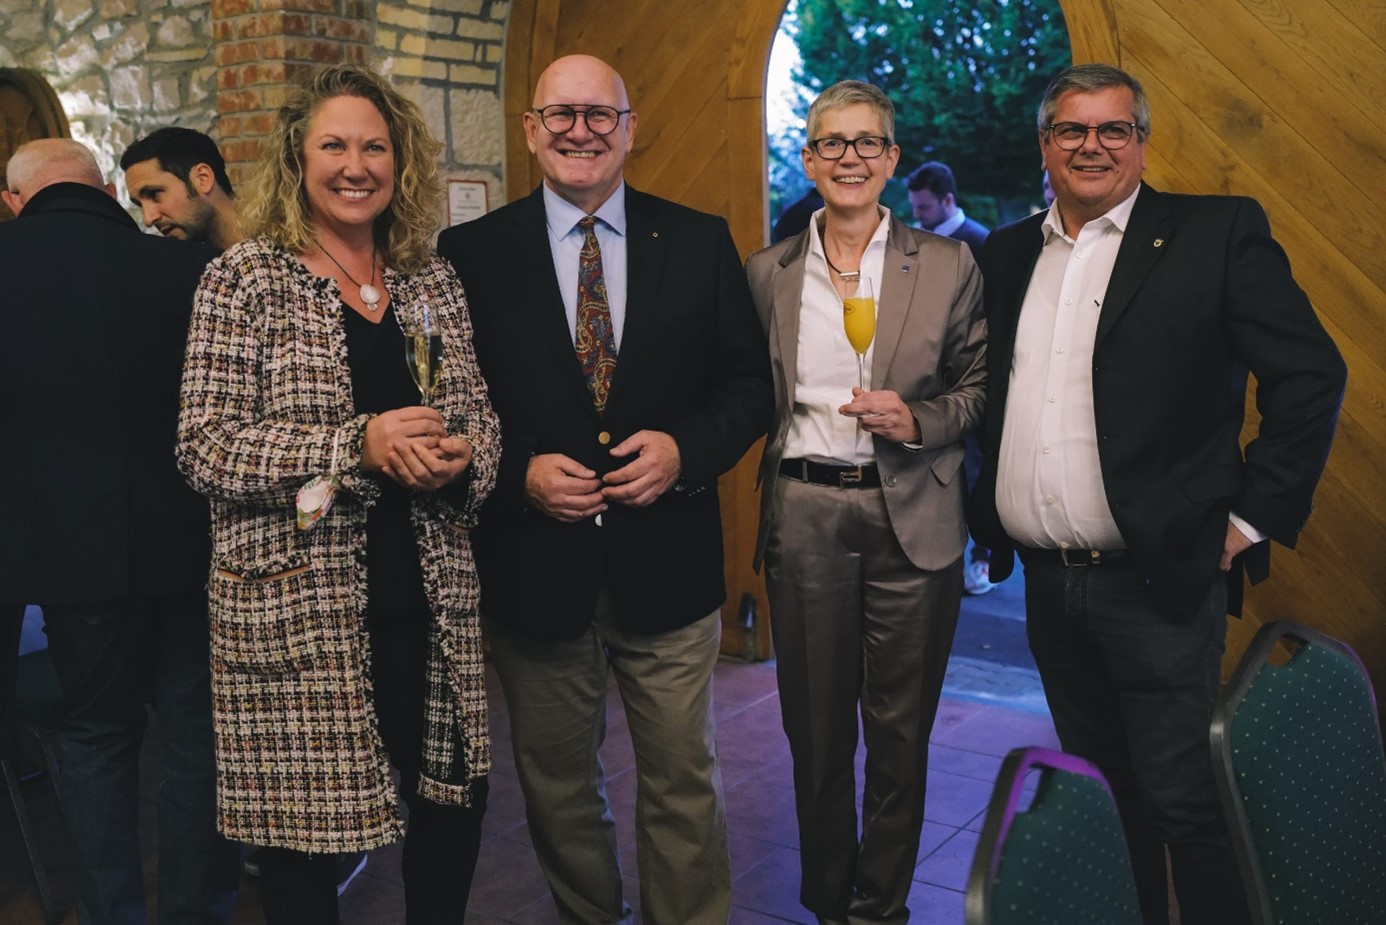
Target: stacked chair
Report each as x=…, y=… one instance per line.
x=1298, y=754
x=1063, y=860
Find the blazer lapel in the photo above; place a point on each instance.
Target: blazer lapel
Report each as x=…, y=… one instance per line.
x=894, y=296
x=1142, y=245
x=788, y=283
x=646, y=249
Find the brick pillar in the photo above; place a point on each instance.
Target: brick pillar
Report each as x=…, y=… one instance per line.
x=263, y=49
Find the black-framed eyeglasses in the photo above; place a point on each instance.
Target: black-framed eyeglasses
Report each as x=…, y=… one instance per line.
x=1111, y=135
x=867, y=146
x=560, y=119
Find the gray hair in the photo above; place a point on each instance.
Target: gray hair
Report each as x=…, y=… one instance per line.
x=850, y=92
x=1090, y=78
x=46, y=161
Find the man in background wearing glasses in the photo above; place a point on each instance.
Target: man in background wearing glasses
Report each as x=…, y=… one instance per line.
x=622, y=353
x=1123, y=322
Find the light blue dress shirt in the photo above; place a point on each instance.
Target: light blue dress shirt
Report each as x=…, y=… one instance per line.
x=565, y=243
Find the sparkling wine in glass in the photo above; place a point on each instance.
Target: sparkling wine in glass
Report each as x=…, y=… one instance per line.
x=423, y=352
x=859, y=319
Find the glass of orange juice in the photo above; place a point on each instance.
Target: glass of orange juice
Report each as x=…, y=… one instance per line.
x=859, y=319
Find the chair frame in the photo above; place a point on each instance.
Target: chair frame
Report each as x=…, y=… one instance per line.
x=1010, y=783
x=1220, y=740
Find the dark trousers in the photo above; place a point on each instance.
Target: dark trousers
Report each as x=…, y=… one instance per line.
x=110, y=658
x=441, y=843
x=1131, y=685
x=857, y=629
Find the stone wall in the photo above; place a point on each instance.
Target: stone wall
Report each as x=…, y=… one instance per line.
x=122, y=68
x=447, y=56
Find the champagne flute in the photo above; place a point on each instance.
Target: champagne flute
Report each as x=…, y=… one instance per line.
x=423, y=353
x=859, y=319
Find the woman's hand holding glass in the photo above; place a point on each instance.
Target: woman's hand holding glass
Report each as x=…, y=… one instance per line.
x=412, y=446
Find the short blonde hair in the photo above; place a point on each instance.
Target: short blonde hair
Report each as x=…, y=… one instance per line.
x=848, y=93
x=277, y=204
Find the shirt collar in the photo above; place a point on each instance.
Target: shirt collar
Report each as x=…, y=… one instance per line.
x=563, y=216
x=1117, y=216
x=816, y=240
x=950, y=224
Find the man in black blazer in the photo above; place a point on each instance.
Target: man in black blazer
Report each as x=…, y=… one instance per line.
x=600, y=549
x=100, y=530
x=1122, y=325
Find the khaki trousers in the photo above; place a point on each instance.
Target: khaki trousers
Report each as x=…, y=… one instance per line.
x=556, y=694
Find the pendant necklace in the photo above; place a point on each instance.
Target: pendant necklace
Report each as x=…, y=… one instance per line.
x=847, y=277
x=369, y=294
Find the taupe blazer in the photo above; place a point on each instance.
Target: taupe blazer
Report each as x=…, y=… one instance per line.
x=930, y=349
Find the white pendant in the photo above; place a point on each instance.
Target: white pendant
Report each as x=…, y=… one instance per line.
x=371, y=296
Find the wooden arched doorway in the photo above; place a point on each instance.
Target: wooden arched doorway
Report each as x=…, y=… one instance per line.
x=29, y=109
x=1280, y=108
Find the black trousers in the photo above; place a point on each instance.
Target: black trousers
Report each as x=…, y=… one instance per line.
x=1131, y=685
x=441, y=843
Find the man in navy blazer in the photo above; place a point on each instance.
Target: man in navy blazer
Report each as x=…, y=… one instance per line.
x=1123, y=322
x=600, y=549
x=101, y=530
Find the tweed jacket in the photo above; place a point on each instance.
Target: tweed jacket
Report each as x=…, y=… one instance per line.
x=266, y=405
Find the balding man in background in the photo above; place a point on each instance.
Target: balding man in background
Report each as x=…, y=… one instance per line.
x=101, y=531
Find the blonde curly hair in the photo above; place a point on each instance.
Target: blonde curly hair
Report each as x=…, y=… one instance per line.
x=277, y=207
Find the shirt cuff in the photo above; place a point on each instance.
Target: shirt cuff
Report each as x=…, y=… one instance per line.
x=1251, y=533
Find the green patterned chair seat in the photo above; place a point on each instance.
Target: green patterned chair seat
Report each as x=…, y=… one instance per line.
x=1301, y=772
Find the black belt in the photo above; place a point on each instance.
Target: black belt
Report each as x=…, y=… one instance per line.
x=803, y=470
x=1070, y=558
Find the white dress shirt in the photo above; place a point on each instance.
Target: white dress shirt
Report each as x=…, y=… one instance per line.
x=565, y=243
x=1049, y=490
x=826, y=368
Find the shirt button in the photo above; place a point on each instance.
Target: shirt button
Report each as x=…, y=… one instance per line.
x=1052, y=399
x=604, y=438
x=1068, y=301
x=1048, y=499
x=1058, y=349
x=890, y=481
x=1047, y=451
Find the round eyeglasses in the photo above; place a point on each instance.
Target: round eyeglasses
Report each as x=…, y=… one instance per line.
x=867, y=146
x=560, y=119
x=1072, y=135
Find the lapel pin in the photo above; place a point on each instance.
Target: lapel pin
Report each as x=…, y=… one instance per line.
x=1159, y=242
x=654, y=234
x=904, y=268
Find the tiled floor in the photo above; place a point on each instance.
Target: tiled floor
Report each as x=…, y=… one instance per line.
x=989, y=708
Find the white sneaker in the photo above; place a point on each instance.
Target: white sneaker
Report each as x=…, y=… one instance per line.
x=977, y=577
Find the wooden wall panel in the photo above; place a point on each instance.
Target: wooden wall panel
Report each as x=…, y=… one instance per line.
x=1276, y=99
x=1280, y=100
x=696, y=78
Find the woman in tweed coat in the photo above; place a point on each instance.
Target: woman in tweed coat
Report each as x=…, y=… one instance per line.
x=342, y=590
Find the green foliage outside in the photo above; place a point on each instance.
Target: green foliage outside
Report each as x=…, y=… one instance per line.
x=965, y=78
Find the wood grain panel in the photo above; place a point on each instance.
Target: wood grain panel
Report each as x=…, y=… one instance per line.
x=1282, y=156
x=1279, y=100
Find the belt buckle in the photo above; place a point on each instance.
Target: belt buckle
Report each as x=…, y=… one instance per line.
x=848, y=477
x=1094, y=558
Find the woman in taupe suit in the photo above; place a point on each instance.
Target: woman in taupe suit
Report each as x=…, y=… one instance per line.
x=342, y=592
x=861, y=527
